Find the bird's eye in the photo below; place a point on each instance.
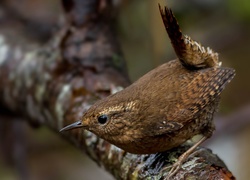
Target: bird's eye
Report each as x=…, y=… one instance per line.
x=103, y=119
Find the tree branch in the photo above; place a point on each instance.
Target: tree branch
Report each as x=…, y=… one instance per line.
x=54, y=85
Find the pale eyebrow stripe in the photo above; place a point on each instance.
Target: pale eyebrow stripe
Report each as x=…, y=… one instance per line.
x=121, y=107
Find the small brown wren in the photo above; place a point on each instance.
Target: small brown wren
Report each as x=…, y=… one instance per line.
x=168, y=105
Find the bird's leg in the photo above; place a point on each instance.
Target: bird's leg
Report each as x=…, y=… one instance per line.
x=176, y=166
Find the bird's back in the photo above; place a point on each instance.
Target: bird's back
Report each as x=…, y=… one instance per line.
x=178, y=94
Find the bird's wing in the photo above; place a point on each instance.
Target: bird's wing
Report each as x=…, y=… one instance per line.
x=203, y=89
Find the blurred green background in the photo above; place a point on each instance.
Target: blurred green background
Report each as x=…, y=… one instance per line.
x=222, y=25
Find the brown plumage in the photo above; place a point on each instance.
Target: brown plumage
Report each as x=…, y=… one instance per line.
x=168, y=105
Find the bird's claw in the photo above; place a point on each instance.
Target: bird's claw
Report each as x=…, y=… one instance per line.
x=176, y=166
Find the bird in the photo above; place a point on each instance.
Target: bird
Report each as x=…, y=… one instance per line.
x=168, y=105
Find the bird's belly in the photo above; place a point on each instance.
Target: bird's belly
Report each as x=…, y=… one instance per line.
x=160, y=143
x=151, y=145
x=154, y=144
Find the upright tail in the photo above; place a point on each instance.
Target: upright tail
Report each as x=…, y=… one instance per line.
x=191, y=54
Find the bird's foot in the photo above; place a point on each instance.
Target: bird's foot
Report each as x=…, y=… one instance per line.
x=175, y=168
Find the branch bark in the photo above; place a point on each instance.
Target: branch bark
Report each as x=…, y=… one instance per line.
x=53, y=85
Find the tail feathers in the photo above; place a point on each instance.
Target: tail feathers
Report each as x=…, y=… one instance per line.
x=174, y=32
x=191, y=54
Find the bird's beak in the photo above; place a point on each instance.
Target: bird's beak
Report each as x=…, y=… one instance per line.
x=75, y=125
